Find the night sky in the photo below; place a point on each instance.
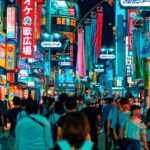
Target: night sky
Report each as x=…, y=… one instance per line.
x=108, y=20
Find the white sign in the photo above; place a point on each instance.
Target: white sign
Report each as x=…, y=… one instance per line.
x=64, y=63
x=51, y=44
x=135, y=3
x=107, y=56
x=99, y=70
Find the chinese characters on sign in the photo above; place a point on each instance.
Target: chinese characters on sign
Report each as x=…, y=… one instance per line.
x=11, y=22
x=10, y=51
x=27, y=29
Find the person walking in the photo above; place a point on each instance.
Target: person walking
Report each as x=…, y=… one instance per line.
x=33, y=132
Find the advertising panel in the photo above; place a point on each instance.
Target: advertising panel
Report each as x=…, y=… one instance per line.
x=27, y=29
x=3, y=79
x=2, y=39
x=23, y=76
x=131, y=14
x=39, y=21
x=11, y=22
x=11, y=77
x=10, y=52
x=2, y=57
x=135, y=3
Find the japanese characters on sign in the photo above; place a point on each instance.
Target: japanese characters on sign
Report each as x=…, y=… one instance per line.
x=11, y=22
x=27, y=29
x=10, y=51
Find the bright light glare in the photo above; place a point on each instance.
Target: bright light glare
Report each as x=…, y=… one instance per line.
x=61, y=3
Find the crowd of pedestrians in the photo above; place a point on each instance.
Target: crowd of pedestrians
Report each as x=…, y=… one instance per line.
x=75, y=122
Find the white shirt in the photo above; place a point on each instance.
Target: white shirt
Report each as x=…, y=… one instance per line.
x=30, y=135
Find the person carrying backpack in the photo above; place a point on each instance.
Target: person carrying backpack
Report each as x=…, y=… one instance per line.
x=75, y=133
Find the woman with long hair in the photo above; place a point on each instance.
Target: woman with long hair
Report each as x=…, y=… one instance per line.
x=135, y=130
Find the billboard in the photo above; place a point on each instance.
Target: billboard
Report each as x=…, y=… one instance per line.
x=10, y=54
x=135, y=3
x=27, y=29
x=2, y=57
x=11, y=22
x=131, y=14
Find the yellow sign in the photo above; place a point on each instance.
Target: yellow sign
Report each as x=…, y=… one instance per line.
x=10, y=52
x=2, y=57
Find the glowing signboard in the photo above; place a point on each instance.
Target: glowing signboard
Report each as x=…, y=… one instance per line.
x=107, y=56
x=51, y=44
x=135, y=3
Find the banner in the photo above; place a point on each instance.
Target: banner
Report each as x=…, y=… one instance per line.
x=2, y=39
x=131, y=14
x=39, y=22
x=2, y=57
x=10, y=52
x=27, y=29
x=11, y=22
x=11, y=77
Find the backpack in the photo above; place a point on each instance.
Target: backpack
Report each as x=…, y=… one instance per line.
x=64, y=145
x=54, y=126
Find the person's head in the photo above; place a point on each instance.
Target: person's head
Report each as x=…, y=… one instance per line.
x=63, y=97
x=71, y=104
x=81, y=99
x=32, y=107
x=44, y=98
x=59, y=108
x=16, y=101
x=124, y=102
x=76, y=126
x=6, y=96
x=51, y=101
x=130, y=101
x=135, y=110
x=110, y=100
x=136, y=100
x=117, y=103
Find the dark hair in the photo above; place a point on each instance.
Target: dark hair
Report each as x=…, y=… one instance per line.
x=50, y=101
x=76, y=128
x=59, y=108
x=124, y=101
x=22, y=103
x=109, y=100
x=81, y=98
x=44, y=98
x=63, y=97
x=6, y=96
x=32, y=107
x=148, y=116
x=133, y=107
x=71, y=103
x=16, y=100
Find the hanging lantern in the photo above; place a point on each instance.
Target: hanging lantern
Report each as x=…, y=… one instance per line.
x=71, y=11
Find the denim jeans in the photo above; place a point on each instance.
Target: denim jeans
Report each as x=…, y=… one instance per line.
x=133, y=144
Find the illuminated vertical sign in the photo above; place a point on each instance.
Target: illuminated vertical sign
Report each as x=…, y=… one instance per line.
x=39, y=22
x=131, y=13
x=11, y=22
x=27, y=29
x=2, y=57
x=10, y=52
